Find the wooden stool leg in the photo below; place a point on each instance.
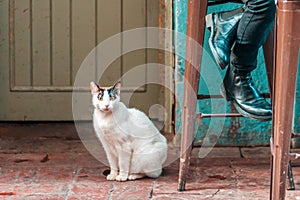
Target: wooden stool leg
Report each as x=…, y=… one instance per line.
x=195, y=34
x=288, y=40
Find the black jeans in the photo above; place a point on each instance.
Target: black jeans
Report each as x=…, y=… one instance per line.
x=253, y=28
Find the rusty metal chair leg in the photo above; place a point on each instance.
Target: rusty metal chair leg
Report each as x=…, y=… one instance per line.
x=194, y=43
x=288, y=40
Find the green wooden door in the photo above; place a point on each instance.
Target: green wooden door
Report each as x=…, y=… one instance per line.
x=44, y=42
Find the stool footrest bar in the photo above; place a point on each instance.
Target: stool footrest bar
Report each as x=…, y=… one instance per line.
x=212, y=115
x=218, y=96
x=294, y=156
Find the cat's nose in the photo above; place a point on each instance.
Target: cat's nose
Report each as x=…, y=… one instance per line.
x=106, y=106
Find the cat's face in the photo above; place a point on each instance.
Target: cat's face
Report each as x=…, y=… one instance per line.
x=105, y=99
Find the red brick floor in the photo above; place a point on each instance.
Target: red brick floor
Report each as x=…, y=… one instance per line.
x=50, y=162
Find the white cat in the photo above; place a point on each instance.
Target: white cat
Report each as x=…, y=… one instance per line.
x=133, y=145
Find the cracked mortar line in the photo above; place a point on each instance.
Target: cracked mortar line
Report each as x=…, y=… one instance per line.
x=70, y=186
x=109, y=195
x=215, y=193
x=151, y=191
x=14, y=184
x=234, y=173
x=33, y=177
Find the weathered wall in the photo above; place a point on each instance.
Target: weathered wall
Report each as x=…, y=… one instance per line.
x=229, y=131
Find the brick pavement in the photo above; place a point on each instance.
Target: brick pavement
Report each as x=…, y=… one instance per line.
x=41, y=162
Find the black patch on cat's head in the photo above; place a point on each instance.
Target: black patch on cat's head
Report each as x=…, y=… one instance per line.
x=113, y=93
x=100, y=94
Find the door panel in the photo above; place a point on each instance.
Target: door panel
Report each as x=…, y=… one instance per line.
x=112, y=26
x=20, y=67
x=40, y=43
x=61, y=59
x=44, y=43
x=133, y=17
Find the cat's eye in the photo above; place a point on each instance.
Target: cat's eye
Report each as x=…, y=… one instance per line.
x=112, y=97
x=100, y=96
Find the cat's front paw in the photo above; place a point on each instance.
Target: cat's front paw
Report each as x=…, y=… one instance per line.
x=132, y=177
x=111, y=177
x=122, y=177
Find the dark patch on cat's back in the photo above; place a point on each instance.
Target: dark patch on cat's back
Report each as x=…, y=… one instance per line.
x=154, y=141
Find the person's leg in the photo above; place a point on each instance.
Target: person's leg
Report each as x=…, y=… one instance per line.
x=238, y=85
x=252, y=30
x=228, y=14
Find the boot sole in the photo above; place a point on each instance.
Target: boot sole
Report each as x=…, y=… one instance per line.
x=209, y=24
x=246, y=114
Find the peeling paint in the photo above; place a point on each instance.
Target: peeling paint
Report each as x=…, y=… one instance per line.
x=235, y=124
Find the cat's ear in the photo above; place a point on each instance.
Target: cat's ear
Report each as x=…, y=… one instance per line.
x=94, y=88
x=117, y=87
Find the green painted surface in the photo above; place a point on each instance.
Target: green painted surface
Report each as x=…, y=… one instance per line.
x=221, y=131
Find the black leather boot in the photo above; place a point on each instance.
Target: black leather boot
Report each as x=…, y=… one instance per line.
x=247, y=100
x=222, y=36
